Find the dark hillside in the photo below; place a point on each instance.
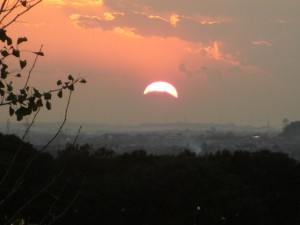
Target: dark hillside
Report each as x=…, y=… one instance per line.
x=99, y=187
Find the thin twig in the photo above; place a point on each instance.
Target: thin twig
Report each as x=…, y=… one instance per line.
x=17, y=182
x=18, y=150
x=77, y=135
x=9, y=11
x=17, y=6
x=31, y=124
x=56, y=198
x=39, y=193
x=61, y=126
x=20, y=14
x=33, y=198
x=33, y=65
x=2, y=6
x=69, y=205
x=5, y=160
x=12, y=191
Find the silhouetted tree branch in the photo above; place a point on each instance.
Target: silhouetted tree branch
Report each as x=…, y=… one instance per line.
x=26, y=101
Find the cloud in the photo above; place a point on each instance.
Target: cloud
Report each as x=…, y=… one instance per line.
x=187, y=71
x=235, y=69
x=214, y=52
x=237, y=8
x=197, y=20
x=128, y=32
x=174, y=19
x=143, y=25
x=225, y=32
x=262, y=43
x=211, y=74
x=74, y=3
x=213, y=63
x=148, y=25
x=108, y=16
x=55, y=2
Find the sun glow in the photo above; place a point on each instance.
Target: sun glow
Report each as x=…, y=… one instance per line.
x=161, y=86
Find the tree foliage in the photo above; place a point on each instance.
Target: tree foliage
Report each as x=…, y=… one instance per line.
x=136, y=188
x=19, y=160
x=292, y=130
x=28, y=99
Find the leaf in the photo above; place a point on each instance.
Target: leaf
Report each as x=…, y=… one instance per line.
x=70, y=77
x=83, y=81
x=47, y=95
x=4, y=73
x=48, y=105
x=11, y=111
x=22, y=111
x=22, y=98
x=37, y=93
x=19, y=117
x=23, y=63
x=60, y=94
x=39, y=53
x=22, y=91
x=9, y=88
x=71, y=87
x=16, y=52
x=21, y=39
x=3, y=35
x=59, y=82
x=32, y=104
x=4, y=53
x=2, y=92
x=39, y=103
x=12, y=98
x=1, y=84
x=24, y=3
x=9, y=40
x=34, y=107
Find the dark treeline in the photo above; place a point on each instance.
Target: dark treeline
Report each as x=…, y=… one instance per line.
x=87, y=186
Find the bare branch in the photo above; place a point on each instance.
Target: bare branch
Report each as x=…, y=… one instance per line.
x=77, y=135
x=20, y=14
x=55, y=201
x=2, y=6
x=19, y=180
x=33, y=65
x=9, y=11
x=61, y=126
x=31, y=124
x=69, y=205
x=33, y=198
x=18, y=151
x=12, y=191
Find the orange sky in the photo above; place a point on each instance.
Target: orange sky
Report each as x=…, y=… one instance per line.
x=227, y=64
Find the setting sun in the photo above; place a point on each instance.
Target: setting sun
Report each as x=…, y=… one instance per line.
x=161, y=86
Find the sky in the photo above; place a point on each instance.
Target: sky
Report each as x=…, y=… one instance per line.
x=231, y=61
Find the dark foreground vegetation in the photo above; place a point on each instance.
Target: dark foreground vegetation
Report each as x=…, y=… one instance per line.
x=84, y=186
